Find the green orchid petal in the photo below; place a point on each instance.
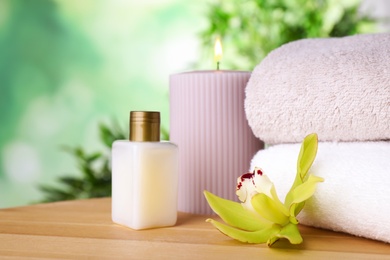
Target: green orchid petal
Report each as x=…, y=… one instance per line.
x=278, y=203
x=306, y=189
x=307, y=154
x=270, y=209
x=256, y=237
x=303, y=192
x=234, y=214
x=293, y=219
x=272, y=240
x=306, y=158
x=291, y=232
x=294, y=211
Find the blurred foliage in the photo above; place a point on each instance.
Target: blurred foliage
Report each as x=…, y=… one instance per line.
x=250, y=29
x=94, y=179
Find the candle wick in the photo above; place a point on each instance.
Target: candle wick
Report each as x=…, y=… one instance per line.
x=217, y=65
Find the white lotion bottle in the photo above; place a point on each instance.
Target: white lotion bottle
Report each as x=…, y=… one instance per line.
x=144, y=175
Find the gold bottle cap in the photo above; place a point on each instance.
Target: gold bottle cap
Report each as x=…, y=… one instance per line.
x=144, y=126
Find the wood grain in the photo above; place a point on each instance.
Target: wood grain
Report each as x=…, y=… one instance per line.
x=83, y=230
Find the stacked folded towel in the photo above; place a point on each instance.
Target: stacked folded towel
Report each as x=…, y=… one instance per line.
x=355, y=196
x=340, y=89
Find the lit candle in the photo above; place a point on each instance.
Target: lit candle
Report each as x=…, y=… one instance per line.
x=208, y=123
x=218, y=51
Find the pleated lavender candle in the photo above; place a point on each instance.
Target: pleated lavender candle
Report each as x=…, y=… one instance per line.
x=208, y=123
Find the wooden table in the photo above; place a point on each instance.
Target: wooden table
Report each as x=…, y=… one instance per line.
x=83, y=229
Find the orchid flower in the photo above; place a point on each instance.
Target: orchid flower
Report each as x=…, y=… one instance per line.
x=261, y=217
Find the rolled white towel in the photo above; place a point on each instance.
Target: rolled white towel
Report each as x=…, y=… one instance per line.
x=355, y=196
x=338, y=88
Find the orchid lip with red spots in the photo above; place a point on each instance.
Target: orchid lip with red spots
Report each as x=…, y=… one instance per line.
x=250, y=184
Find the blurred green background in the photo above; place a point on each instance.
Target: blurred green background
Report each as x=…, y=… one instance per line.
x=68, y=66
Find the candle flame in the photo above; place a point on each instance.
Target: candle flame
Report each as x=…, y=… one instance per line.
x=218, y=50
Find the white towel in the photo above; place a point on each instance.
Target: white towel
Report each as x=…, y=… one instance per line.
x=355, y=196
x=338, y=88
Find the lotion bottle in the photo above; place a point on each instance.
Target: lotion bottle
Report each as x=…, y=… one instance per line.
x=144, y=175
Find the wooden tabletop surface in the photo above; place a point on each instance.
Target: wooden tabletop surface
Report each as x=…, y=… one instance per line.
x=83, y=230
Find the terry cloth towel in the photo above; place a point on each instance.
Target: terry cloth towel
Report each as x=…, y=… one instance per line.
x=355, y=196
x=338, y=88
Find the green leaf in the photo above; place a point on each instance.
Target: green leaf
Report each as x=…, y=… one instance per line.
x=270, y=209
x=109, y=134
x=56, y=194
x=256, y=237
x=93, y=157
x=73, y=182
x=234, y=214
